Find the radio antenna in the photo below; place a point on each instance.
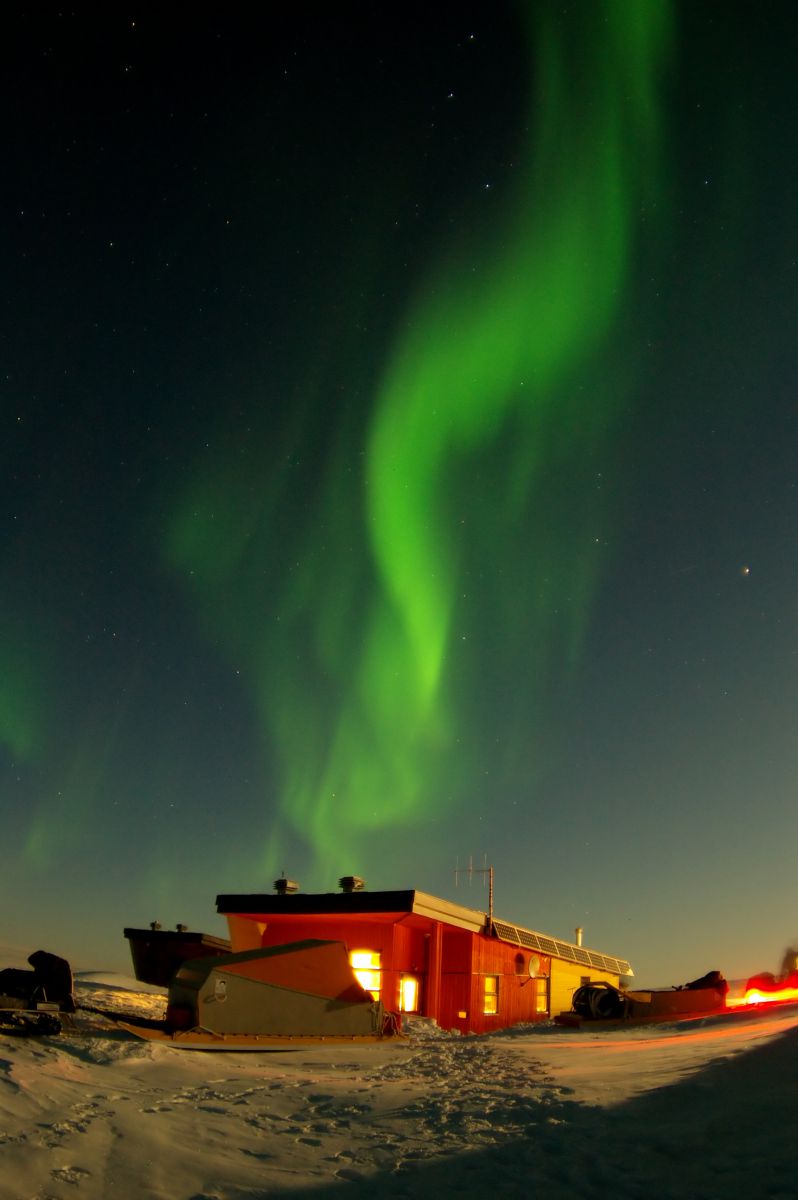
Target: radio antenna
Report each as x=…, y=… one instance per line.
x=470, y=871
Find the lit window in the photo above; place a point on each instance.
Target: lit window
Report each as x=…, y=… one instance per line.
x=491, y=994
x=408, y=994
x=366, y=965
x=541, y=995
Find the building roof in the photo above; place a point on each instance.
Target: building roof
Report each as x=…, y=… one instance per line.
x=424, y=905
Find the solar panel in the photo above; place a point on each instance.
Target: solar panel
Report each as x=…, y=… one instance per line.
x=506, y=933
x=519, y=936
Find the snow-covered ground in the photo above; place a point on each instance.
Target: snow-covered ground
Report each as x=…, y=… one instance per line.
x=699, y=1110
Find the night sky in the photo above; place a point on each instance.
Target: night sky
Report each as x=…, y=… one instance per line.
x=399, y=456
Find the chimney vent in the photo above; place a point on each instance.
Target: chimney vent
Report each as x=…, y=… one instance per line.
x=351, y=883
x=578, y=932
x=284, y=887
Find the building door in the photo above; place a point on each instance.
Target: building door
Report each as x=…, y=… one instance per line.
x=409, y=993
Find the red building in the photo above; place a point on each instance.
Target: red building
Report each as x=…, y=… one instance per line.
x=420, y=954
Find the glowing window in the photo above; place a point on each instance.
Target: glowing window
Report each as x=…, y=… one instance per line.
x=366, y=965
x=408, y=994
x=491, y=994
x=541, y=995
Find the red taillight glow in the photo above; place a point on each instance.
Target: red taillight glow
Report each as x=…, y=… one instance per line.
x=757, y=996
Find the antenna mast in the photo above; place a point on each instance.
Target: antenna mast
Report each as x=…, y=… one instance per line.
x=470, y=871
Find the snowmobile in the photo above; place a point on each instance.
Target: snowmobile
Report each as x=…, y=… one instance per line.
x=31, y=1002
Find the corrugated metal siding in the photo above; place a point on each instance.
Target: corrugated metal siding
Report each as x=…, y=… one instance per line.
x=409, y=949
x=410, y=957
x=457, y=950
x=467, y=959
x=493, y=956
x=455, y=998
x=456, y=980
x=517, y=995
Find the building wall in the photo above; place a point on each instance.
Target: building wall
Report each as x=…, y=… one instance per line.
x=402, y=949
x=410, y=949
x=359, y=935
x=455, y=1008
x=566, y=977
x=518, y=993
x=245, y=933
x=466, y=959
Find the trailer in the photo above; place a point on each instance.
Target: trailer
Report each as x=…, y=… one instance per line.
x=300, y=993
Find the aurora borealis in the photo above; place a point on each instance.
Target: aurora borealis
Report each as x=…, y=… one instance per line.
x=391, y=415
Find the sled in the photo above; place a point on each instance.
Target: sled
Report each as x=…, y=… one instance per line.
x=24, y=1022
x=206, y=1039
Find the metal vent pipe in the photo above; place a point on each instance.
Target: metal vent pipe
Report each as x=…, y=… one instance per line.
x=285, y=887
x=351, y=883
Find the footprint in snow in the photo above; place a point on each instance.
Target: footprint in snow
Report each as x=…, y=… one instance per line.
x=69, y=1174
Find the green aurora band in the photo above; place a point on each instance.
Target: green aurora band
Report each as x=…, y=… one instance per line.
x=467, y=554
x=22, y=721
x=26, y=679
